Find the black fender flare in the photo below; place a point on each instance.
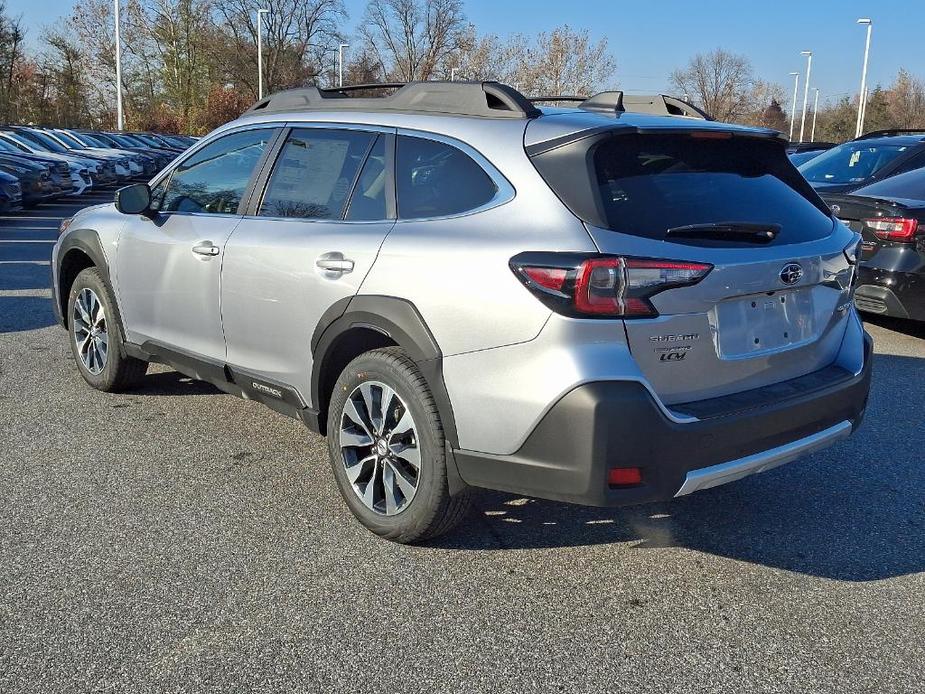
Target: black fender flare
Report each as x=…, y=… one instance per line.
x=87, y=241
x=401, y=322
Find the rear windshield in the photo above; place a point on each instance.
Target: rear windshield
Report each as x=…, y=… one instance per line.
x=852, y=162
x=910, y=186
x=644, y=185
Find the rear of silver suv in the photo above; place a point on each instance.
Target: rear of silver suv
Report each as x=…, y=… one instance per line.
x=462, y=290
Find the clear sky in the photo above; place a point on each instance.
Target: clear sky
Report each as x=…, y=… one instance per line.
x=649, y=38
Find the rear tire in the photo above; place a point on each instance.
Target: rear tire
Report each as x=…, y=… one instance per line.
x=96, y=338
x=388, y=451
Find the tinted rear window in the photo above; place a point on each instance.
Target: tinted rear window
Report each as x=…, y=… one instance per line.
x=852, y=162
x=644, y=185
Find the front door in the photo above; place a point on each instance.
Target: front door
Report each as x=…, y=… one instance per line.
x=168, y=263
x=311, y=241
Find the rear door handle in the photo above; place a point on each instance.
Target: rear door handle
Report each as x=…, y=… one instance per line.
x=334, y=262
x=206, y=248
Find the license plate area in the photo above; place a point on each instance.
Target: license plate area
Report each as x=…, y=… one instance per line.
x=746, y=327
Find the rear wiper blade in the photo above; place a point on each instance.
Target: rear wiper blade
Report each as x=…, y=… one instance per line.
x=728, y=231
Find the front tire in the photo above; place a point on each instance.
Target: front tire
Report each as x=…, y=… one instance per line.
x=95, y=337
x=388, y=450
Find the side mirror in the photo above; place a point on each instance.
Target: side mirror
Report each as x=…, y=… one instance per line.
x=133, y=199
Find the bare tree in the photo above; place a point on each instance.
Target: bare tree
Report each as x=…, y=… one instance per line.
x=722, y=83
x=906, y=99
x=11, y=54
x=300, y=37
x=413, y=39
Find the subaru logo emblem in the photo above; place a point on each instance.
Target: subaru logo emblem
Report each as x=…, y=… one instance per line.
x=836, y=208
x=791, y=273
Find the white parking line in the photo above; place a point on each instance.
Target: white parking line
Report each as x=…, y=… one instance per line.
x=26, y=219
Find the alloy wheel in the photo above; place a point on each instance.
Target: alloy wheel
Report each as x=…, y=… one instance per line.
x=90, y=332
x=379, y=447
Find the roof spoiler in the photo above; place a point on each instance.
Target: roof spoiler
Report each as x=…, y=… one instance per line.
x=618, y=102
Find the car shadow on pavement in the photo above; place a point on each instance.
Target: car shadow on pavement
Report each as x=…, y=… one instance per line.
x=855, y=512
x=166, y=383
x=20, y=313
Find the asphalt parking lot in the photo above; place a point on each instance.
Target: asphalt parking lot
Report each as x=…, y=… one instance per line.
x=177, y=539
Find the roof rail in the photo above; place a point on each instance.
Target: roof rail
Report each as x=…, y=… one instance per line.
x=619, y=102
x=482, y=99
x=892, y=131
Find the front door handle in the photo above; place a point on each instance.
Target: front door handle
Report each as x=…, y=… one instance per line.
x=206, y=248
x=334, y=262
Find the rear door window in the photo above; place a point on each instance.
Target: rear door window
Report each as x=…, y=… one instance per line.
x=315, y=173
x=644, y=185
x=434, y=179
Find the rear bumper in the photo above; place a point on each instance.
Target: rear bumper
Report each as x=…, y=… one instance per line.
x=598, y=426
x=893, y=293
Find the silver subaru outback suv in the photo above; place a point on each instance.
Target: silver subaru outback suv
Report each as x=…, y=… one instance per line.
x=606, y=304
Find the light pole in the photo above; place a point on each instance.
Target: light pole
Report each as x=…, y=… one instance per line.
x=793, y=104
x=120, y=119
x=809, y=70
x=862, y=97
x=812, y=134
x=340, y=63
x=452, y=74
x=260, y=14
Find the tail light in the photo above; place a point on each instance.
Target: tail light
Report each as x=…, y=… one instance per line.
x=894, y=228
x=581, y=285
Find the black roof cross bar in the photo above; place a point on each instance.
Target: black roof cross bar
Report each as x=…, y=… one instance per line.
x=480, y=99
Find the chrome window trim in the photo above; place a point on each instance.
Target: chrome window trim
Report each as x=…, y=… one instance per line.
x=504, y=193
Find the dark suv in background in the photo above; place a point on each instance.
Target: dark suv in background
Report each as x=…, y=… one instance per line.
x=865, y=160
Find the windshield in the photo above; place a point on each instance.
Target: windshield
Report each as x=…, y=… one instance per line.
x=16, y=142
x=69, y=139
x=852, y=162
x=44, y=142
x=7, y=147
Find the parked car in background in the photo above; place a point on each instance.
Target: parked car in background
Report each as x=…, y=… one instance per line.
x=10, y=193
x=890, y=216
x=34, y=180
x=46, y=140
x=161, y=157
x=82, y=170
x=862, y=161
x=59, y=168
x=136, y=164
x=802, y=152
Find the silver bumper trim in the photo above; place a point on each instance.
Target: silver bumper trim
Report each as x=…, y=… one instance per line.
x=715, y=475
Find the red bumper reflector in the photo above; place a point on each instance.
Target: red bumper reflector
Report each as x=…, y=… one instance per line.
x=624, y=476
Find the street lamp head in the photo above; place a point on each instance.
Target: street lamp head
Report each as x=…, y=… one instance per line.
x=865, y=20
x=794, y=74
x=262, y=11
x=806, y=52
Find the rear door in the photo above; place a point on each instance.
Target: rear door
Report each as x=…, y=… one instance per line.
x=774, y=305
x=311, y=236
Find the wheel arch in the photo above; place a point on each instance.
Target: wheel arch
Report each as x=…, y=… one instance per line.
x=81, y=249
x=360, y=323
